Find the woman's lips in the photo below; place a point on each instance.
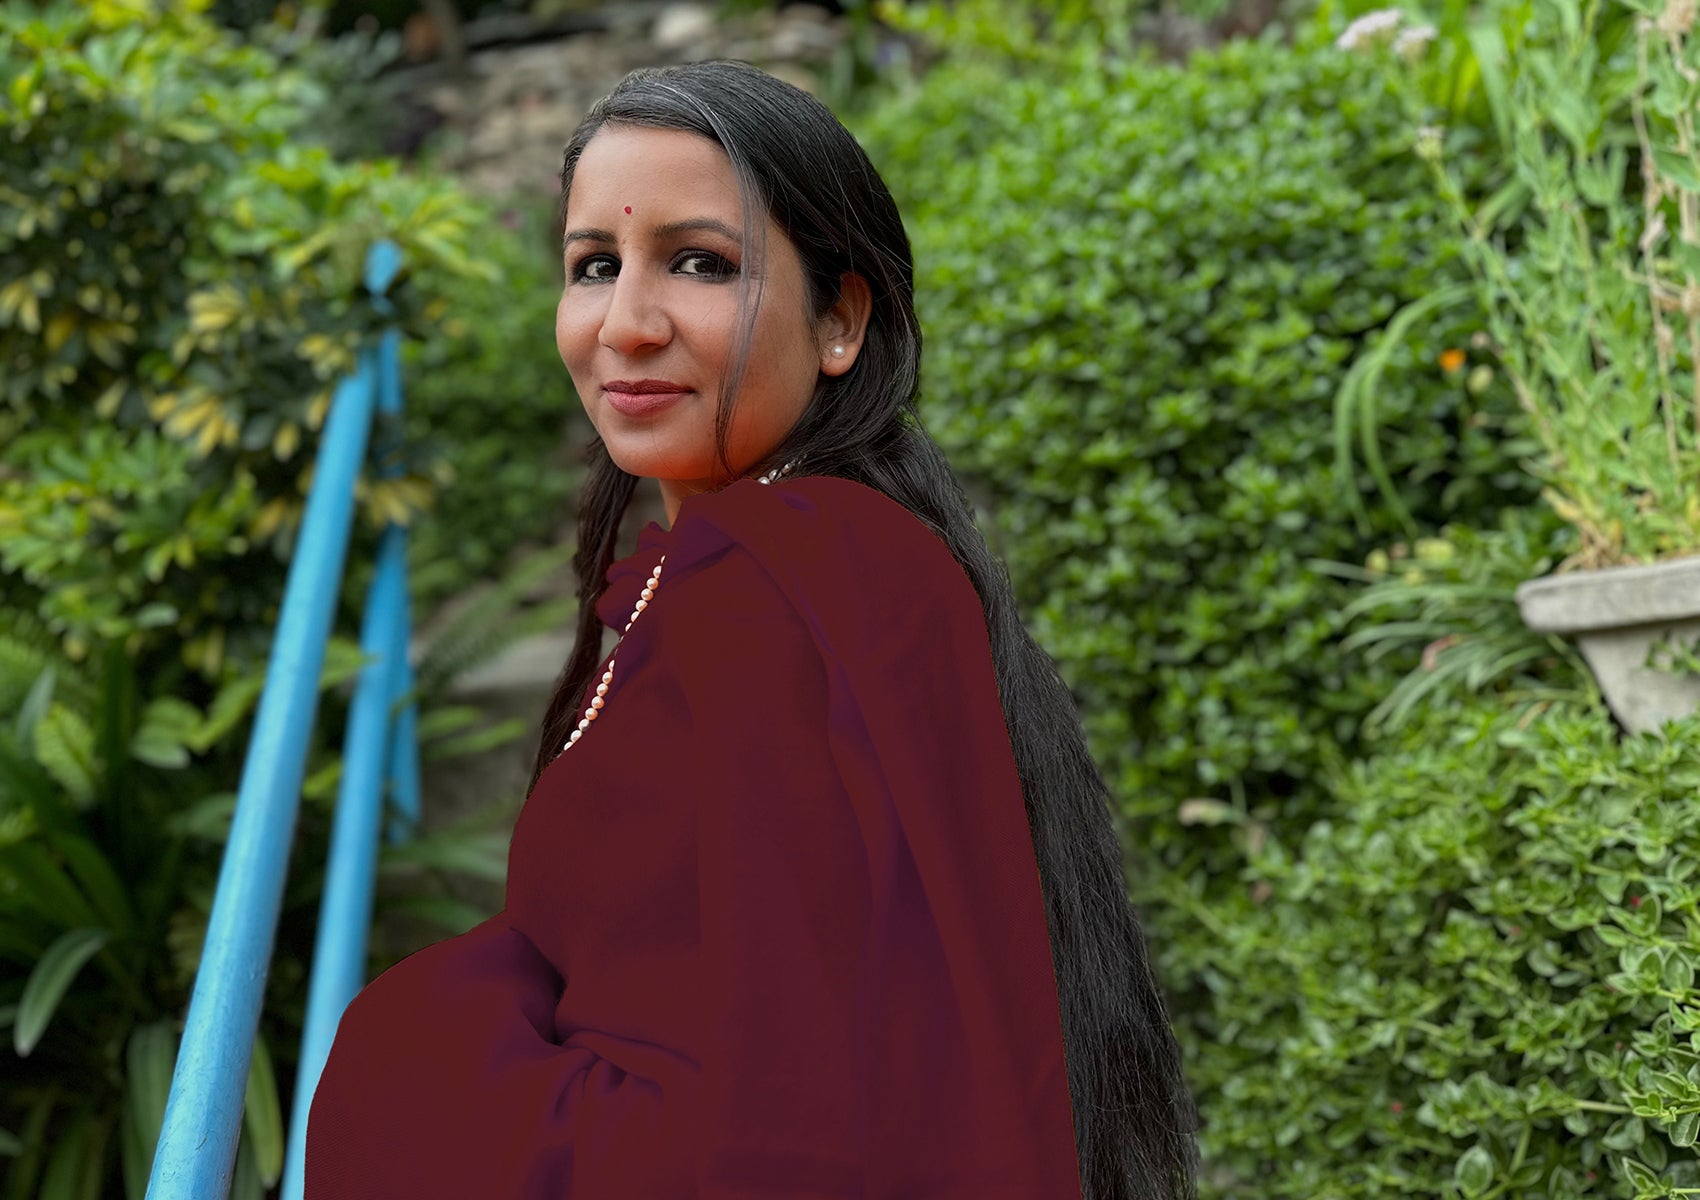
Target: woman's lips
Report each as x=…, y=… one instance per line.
x=642, y=398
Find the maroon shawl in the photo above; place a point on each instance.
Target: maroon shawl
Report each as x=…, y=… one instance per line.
x=773, y=927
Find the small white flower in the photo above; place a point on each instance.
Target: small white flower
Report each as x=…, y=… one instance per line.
x=1369, y=29
x=1428, y=140
x=1411, y=43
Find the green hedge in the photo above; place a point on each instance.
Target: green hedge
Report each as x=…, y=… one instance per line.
x=490, y=401
x=179, y=292
x=1476, y=977
x=1142, y=286
x=180, y=268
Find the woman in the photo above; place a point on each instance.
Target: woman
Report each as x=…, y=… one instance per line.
x=816, y=892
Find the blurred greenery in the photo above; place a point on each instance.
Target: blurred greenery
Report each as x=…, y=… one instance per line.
x=180, y=272
x=1144, y=286
x=180, y=290
x=110, y=836
x=197, y=295
x=1134, y=343
x=491, y=403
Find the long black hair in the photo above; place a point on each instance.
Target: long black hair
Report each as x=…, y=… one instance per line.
x=1134, y=1121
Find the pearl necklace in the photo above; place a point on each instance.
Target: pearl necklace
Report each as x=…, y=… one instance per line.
x=599, y=701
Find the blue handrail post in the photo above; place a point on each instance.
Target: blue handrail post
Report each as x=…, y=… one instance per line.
x=345, y=913
x=373, y=742
x=403, y=774
x=196, y=1153
x=404, y=742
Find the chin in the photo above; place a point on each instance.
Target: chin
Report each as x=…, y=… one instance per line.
x=654, y=462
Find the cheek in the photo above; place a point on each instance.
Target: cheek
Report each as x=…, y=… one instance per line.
x=790, y=351
x=569, y=330
x=707, y=325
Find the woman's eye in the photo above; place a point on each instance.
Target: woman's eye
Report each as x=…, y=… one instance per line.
x=596, y=266
x=701, y=262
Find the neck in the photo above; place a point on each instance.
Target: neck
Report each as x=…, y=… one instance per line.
x=674, y=491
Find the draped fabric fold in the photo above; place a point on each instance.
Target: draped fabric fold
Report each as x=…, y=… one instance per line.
x=773, y=927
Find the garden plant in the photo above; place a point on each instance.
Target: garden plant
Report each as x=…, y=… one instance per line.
x=179, y=293
x=1427, y=922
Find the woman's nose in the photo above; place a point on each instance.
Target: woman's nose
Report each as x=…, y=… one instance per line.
x=634, y=318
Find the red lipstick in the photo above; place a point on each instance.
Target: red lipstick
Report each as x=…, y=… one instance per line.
x=640, y=397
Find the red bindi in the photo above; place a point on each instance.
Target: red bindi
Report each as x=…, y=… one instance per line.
x=628, y=209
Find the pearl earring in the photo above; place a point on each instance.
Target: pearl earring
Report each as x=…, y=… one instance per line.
x=838, y=352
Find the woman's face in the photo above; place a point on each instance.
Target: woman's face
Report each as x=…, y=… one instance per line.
x=649, y=315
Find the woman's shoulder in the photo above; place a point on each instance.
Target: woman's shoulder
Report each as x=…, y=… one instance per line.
x=819, y=537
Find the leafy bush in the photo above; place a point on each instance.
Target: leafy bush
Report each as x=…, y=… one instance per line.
x=1475, y=978
x=1141, y=290
x=490, y=403
x=1588, y=317
x=116, y=797
x=1143, y=286
x=180, y=288
x=179, y=267
x=108, y=851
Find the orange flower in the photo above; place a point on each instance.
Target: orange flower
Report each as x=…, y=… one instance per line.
x=1451, y=360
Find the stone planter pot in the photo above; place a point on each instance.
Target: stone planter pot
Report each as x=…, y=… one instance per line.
x=1616, y=616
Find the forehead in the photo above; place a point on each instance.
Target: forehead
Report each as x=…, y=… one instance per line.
x=655, y=171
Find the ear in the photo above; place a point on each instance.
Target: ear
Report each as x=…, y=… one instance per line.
x=844, y=325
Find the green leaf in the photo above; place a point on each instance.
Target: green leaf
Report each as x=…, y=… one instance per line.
x=76, y=1166
x=155, y=616
x=478, y=741
x=207, y=819
x=245, y=1184
x=1490, y=58
x=322, y=783
x=158, y=748
x=1678, y=169
x=1641, y=1177
x=482, y=856
x=1679, y=973
x=1686, y=1129
x=1356, y=403
x=344, y=659
x=22, y=1174
x=34, y=707
x=43, y=888
x=263, y=1115
x=64, y=745
x=1474, y=1171
x=48, y=982
x=97, y=880
x=234, y=701
x=1687, y=256
x=455, y=916
x=135, y=1159
x=149, y=1060
x=1625, y=1133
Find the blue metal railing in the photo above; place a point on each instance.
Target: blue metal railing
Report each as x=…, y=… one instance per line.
x=196, y=1153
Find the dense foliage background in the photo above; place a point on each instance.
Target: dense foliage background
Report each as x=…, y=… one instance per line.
x=180, y=290
x=1400, y=963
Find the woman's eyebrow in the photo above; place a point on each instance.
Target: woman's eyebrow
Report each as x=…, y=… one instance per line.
x=660, y=232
